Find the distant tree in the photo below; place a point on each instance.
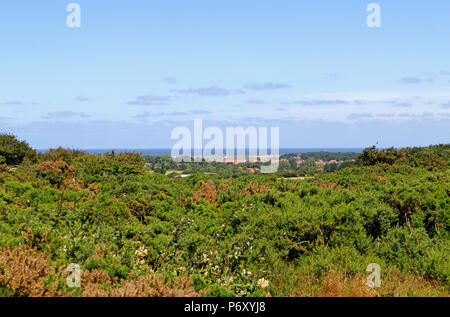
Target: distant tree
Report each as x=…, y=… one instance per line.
x=293, y=163
x=371, y=156
x=330, y=167
x=15, y=151
x=368, y=157
x=284, y=166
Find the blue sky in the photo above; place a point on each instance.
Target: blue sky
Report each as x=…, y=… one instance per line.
x=136, y=69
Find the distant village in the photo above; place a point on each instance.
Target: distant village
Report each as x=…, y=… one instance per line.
x=315, y=161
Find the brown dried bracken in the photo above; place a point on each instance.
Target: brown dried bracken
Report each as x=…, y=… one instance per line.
x=252, y=189
x=338, y=285
x=207, y=192
x=223, y=187
x=25, y=272
x=98, y=284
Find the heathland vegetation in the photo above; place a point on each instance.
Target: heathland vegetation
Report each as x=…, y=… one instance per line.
x=223, y=231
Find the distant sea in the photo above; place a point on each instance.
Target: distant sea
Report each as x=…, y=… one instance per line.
x=161, y=152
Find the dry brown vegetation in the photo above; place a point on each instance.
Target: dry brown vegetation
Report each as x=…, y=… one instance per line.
x=338, y=284
x=253, y=188
x=55, y=171
x=223, y=187
x=26, y=273
x=97, y=283
x=207, y=191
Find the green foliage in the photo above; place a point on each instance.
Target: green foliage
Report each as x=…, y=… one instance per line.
x=60, y=154
x=218, y=291
x=413, y=250
x=230, y=232
x=198, y=282
x=109, y=164
x=56, y=172
x=433, y=156
x=14, y=151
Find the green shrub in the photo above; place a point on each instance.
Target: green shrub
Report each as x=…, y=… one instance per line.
x=219, y=291
x=407, y=248
x=15, y=151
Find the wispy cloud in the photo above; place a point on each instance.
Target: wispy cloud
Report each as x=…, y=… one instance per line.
x=355, y=116
x=266, y=86
x=143, y=115
x=256, y=101
x=446, y=105
x=424, y=115
x=402, y=104
x=65, y=115
x=410, y=80
x=19, y=103
x=427, y=115
x=333, y=76
x=319, y=102
x=360, y=102
x=197, y=111
x=137, y=134
x=150, y=100
x=212, y=91
x=146, y=114
x=82, y=98
x=385, y=115
x=171, y=80
x=14, y=103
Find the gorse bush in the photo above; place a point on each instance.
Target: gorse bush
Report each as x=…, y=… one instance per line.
x=413, y=251
x=139, y=233
x=3, y=166
x=56, y=172
x=14, y=151
x=433, y=156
